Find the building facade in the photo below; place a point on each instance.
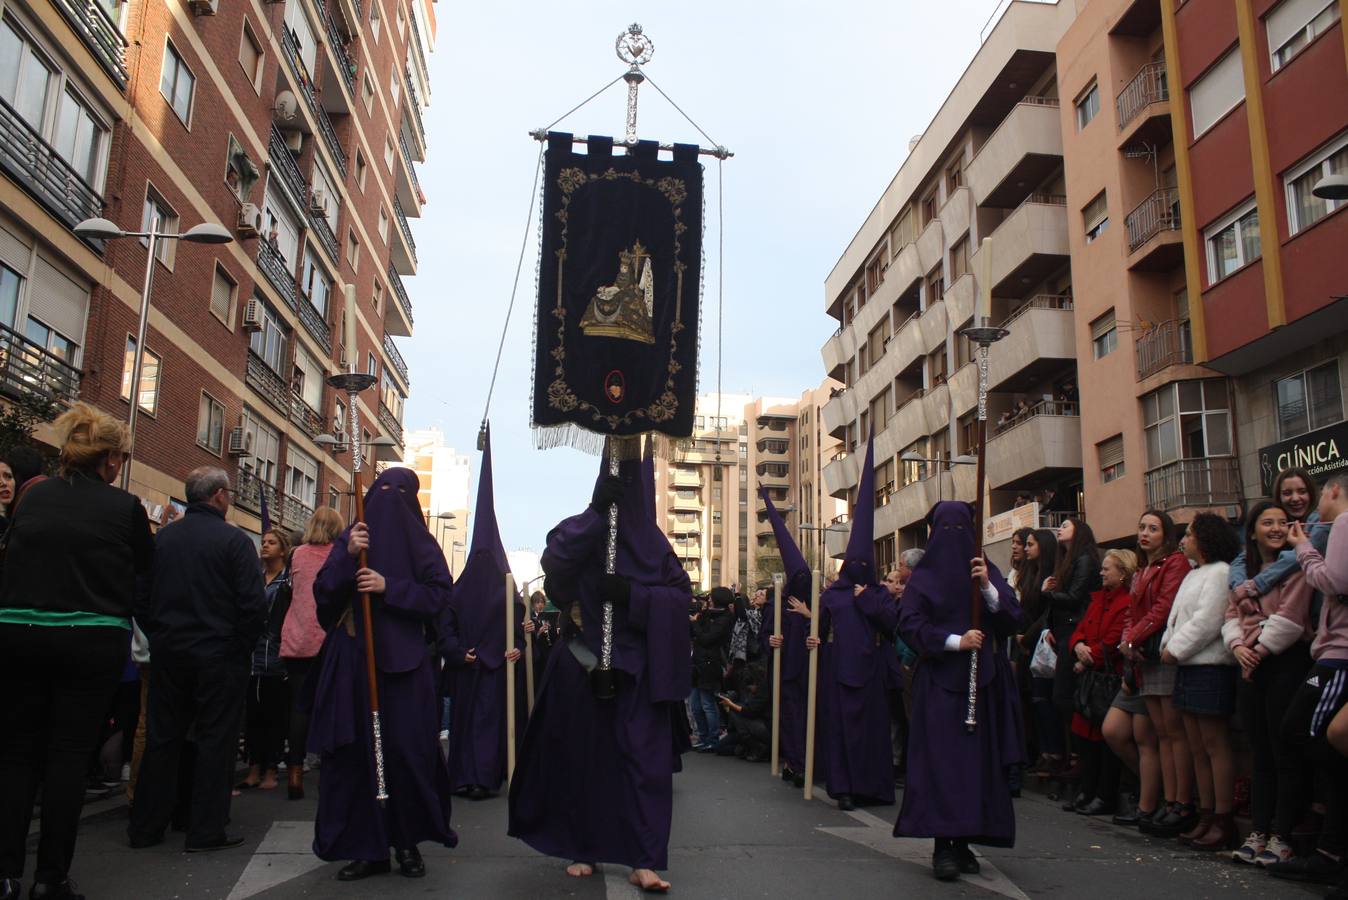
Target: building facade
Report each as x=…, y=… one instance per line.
x=296, y=126
x=446, y=478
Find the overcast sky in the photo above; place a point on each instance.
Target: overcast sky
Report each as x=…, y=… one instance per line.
x=818, y=102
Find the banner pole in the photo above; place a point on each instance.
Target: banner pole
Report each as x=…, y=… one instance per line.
x=510, y=677
x=810, y=713
x=776, y=676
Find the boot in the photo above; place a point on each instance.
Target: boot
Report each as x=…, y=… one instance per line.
x=295, y=789
x=1221, y=834
x=1200, y=828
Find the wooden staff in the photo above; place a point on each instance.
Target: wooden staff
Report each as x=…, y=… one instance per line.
x=510, y=676
x=528, y=661
x=814, y=687
x=776, y=676
x=381, y=790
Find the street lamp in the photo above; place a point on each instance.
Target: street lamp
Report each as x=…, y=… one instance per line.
x=963, y=459
x=834, y=529
x=105, y=230
x=1332, y=187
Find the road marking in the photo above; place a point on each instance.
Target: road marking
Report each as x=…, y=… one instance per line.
x=285, y=853
x=878, y=835
x=616, y=885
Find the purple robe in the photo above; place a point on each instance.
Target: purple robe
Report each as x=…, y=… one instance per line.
x=594, y=780
x=957, y=780
x=414, y=608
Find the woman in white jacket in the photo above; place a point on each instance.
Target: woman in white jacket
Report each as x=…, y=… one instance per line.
x=1205, y=683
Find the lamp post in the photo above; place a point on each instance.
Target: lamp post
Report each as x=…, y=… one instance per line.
x=963, y=459
x=1332, y=187
x=821, y=530
x=337, y=445
x=103, y=229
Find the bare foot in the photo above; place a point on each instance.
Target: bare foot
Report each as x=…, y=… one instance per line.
x=580, y=870
x=648, y=881
x=268, y=781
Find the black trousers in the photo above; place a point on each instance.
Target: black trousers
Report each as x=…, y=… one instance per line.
x=58, y=684
x=750, y=732
x=1321, y=694
x=1100, y=770
x=1278, y=788
x=266, y=719
x=298, y=672
x=207, y=698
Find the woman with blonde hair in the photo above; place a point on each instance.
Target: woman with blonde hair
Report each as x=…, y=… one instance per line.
x=302, y=636
x=75, y=548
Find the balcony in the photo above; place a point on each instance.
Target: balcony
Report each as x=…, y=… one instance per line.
x=345, y=64
x=1168, y=344
x=1028, y=246
x=1041, y=338
x=318, y=224
x=1143, y=107
x=1155, y=243
x=1040, y=444
x=306, y=86
x=396, y=359
x=313, y=322
x=283, y=164
x=773, y=476
x=29, y=372
x=295, y=513
x=398, y=315
x=405, y=253
x=771, y=447
x=417, y=51
x=409, y=188
x=309, y=420
x=1195, y=483
x=269, y=385
x=1025, y=149
x=689, y=478
x=390, y=423
x=274, y=267
x=688, y=500
x=249, y=491
x=414, y=105
x=35, y=166
x=99, y=33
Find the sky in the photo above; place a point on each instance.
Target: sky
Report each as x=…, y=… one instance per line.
x=818, y=102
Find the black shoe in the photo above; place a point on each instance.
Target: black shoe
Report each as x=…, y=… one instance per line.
x=477, y=792
x=1316, y=868
x=223, y=843
x=64, y=890
x=845, y=802
x=363, y=868
x=1132, y=819
x=410, y=863
x=1097, y=807
x=141, y=841
x=788, y=775
x=1075, y=803
x=798, y=780
x=1176, y=819
x=945, y=864
x=968, y=863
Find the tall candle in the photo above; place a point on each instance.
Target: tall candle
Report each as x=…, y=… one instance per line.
x=985, y=286
x=351, y=327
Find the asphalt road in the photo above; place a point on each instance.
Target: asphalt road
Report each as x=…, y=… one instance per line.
x=738, y=833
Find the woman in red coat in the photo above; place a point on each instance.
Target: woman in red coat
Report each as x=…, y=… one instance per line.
x=1094, y=646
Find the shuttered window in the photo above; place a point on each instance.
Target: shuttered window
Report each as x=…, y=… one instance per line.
x=1217, y=92
x=59, y=302
x=1104, y=335
x=1111, y=458
x=222, y=295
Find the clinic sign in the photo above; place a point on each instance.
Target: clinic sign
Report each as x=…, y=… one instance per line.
x=1321, y=452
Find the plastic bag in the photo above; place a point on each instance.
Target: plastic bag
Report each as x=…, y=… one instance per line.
x=1045, y=660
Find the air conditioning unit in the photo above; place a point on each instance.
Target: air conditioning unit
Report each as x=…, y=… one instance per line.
x=252, y=315
x=250, y=220
x=203, y=7
x=240, y=442
x=318, y=202
x=294, y=141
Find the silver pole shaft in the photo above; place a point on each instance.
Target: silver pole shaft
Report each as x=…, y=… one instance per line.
x=138, y=357
x=971, y=712
x=610, y=565
x=634, y=79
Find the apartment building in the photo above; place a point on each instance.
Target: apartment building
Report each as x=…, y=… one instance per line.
x=293, y=124
x=446, y=479
x=989, y=164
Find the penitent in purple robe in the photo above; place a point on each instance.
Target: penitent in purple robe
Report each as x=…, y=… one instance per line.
x=795, y=628
x=957, y=780
x=594, y=780
x=351, y=824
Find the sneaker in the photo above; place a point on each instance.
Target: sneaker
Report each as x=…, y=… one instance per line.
x=1316, y=868
x=1249, y=851
x=1275, y=852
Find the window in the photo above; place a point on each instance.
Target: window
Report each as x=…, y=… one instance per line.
x=954, y=177
x=1104, y=335
x=394, y=88
x=383, y=223
x=250, y=55
x=79, y=136
x=376, y=20
x=392, y=399
x=929, y=208
x=1308, y=400
x=315, y=284
x=388, y=153
x=401, y=21
x=1110, y=454
x=377, y=297
x=1187, y=420
x=51, y=340
x=959, y=258
x=223, y=293
x=352, y=250
x=324, y=197
x=283, y=233
x=240, y=171
x=1295, y=23
x=365, y=445
x=266, y=443
x=25, y=77
x=1088, y=105
x=1095, y=217
x=1304, y=208
x=1233, y=242
x=302, y=477
x=367, y=93
x=269, y=342
x=165, y=220
x=361, y=169
x=176, y=83
x=148, y=394
x=371, y=365
x=935, y=287
x=10, y=282
x=339, y=416
x=937, y=366
x=210, y=423
x=1217, y=91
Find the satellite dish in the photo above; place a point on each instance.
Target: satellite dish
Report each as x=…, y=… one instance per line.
x=287, y=107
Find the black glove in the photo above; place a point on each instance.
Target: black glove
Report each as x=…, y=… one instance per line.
x=616, y=590
x=609, y=491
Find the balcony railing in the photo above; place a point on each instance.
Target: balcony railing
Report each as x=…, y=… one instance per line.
x=313, y=322
x=330, y=137
x=1194, y=482
x=411, y=170
x=249, y=490
x=27, y=371
x=270, y=261
x=1045, y=199
x=390, y=423
x=309, y=420
x=1147, y=87
x=1159, y=212
x=416, y=44
x=269, y=385
x=295, y=513
x=306, y=83
x=396, y=359
x=414, y=104
x=284, y=163
x=319, y=226
x=99, y=33
x=406, y=228
x=1042, y=408
x=400, y=292
x=1168, y=344
x=1040, y=301
x=35, y=166
x=337, y=43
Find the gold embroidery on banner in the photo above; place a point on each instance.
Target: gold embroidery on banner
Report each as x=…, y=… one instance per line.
x=626, y=308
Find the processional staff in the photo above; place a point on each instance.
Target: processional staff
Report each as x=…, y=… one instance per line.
x=810, y=708
x=776, y=675
x=510, y=676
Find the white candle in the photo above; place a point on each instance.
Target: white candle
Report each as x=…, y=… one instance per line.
x=351, y=327
x=985, y=288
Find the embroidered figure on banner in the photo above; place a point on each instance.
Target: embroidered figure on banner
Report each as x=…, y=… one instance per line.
x=626, y=308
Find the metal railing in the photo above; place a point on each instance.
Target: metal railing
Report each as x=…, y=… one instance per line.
x=1168, y=344
x=99, y=33
x=406, y=228
x=400, y=292
x=1147, y=87
x=295, y=513
x=306, y=84
x=319, y=226
x=396, y=358
x=1032, y=100
x=1159, y=212
x=1060, y=408
x=313, y=322
x=330, y=137
x=390, y=423
x=249, y=490
x=283, y=163
x=416, y=45
x=36, y=167
x=414, y=104
x=273, y=265
x=335, y=41
x=29, y=371
x=270, y=386
x=1194, y=482
x=1040, y=301
x=407, y=158
x=1045, y=199
x=309, y=420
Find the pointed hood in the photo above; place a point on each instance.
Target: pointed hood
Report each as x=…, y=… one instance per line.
x=642, y=544
x=795, y=569
x=859, y=561
x=486, y=533
x=478, y=589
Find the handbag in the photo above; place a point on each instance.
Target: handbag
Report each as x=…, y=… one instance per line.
x=1095, y=692
x=1044, y=662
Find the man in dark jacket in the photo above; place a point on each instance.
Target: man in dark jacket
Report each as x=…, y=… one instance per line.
x=203, y=613
x=711, y=635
